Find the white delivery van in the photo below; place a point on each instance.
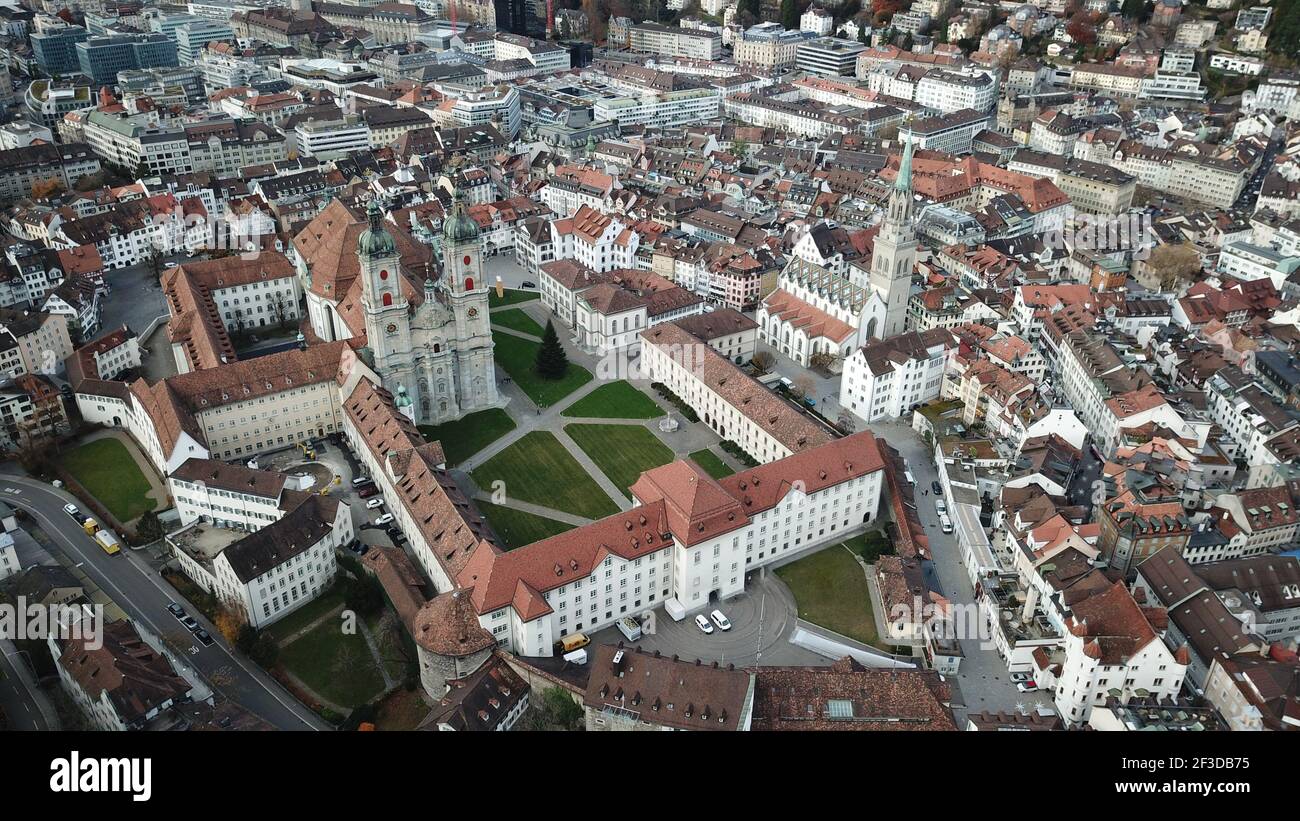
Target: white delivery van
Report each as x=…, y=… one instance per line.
x=945, y=522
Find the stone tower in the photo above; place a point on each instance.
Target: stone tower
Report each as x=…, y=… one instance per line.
x=467, y=288
x=387, y=312
x=895, y=252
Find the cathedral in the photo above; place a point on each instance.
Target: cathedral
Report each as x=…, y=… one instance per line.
x=823, y=305
x=432, y=347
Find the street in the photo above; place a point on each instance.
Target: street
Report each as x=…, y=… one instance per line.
x=144, y=596
x=983, y=678
x=23, y=703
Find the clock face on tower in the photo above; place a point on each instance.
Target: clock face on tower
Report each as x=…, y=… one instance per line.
x=392, y=328
x=473, y=312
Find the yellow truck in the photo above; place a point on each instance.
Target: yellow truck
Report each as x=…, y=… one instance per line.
x=90, y=526
x=107, y=539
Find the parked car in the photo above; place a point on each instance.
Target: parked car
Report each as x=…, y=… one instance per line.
x=396, y=534
x=190, y=624
x=527, y=284
x=1027, y=686
x=204, y=637
x=361, y=480
x=376, y=502
x=936, y=487
x=72, y=511
x=367, y=491
x=1017, y=678
x=176, y=610
x=703, y=624
x=385, y=519
x=720, y=620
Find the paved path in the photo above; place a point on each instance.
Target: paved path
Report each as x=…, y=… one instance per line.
x=302, y=631
x=536, y=510
x=389, y=683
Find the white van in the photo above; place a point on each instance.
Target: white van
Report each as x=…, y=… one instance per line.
x=908, y=475
x=940, y=507
x=945, y=522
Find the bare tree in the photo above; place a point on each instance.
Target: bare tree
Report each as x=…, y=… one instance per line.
x=1174, y=265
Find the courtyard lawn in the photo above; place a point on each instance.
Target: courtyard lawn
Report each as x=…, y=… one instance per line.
x=517, y=320
x=335, y=665
x=539, y=470
x=308, y=613
x=712, y=465
x=623, y=452
x=106, y=470
x=468, y=435
x=617, y=400
x=510, y=298
x=517, y=356
x=831, y=591
x=517, y=528
x=870, y=546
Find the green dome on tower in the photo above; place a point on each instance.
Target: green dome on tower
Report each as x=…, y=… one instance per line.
x=458, y=227
x=375, y=241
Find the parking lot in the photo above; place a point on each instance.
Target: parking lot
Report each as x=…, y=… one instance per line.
x=334, y=460
x=762, y=620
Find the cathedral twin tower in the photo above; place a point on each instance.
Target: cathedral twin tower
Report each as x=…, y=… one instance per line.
x=432, y=348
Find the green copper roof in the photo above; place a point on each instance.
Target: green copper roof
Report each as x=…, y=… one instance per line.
x=459, y=227
x=375, y=241
x=904, y=180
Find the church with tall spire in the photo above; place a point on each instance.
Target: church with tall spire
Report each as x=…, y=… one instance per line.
x=825, y=305
x=894, y=253
x=429, y=341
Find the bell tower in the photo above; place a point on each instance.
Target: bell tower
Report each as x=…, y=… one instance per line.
x=462, y=270
x=894, y=253
x=387, y=315
x=467, y=289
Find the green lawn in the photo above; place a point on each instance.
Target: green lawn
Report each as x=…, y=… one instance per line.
x=712, y=465
x=517, y=320
x=511, y=297
x=624, y=452
x=617, y=400
x=336, y=665
x=106, y=470
x=307, y=614
x=538, y=469
x=468, y=435
x=831, y=591
x=517, y=528
x=517, y=356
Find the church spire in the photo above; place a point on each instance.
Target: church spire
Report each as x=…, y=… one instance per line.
x=899, y=212
x=904, y=180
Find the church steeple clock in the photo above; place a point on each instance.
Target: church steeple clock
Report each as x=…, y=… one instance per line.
x=462, y=260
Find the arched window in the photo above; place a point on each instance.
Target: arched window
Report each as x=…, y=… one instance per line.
x=437, y=348
x=469, y=283
x=383, y=274
x=388, y=299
